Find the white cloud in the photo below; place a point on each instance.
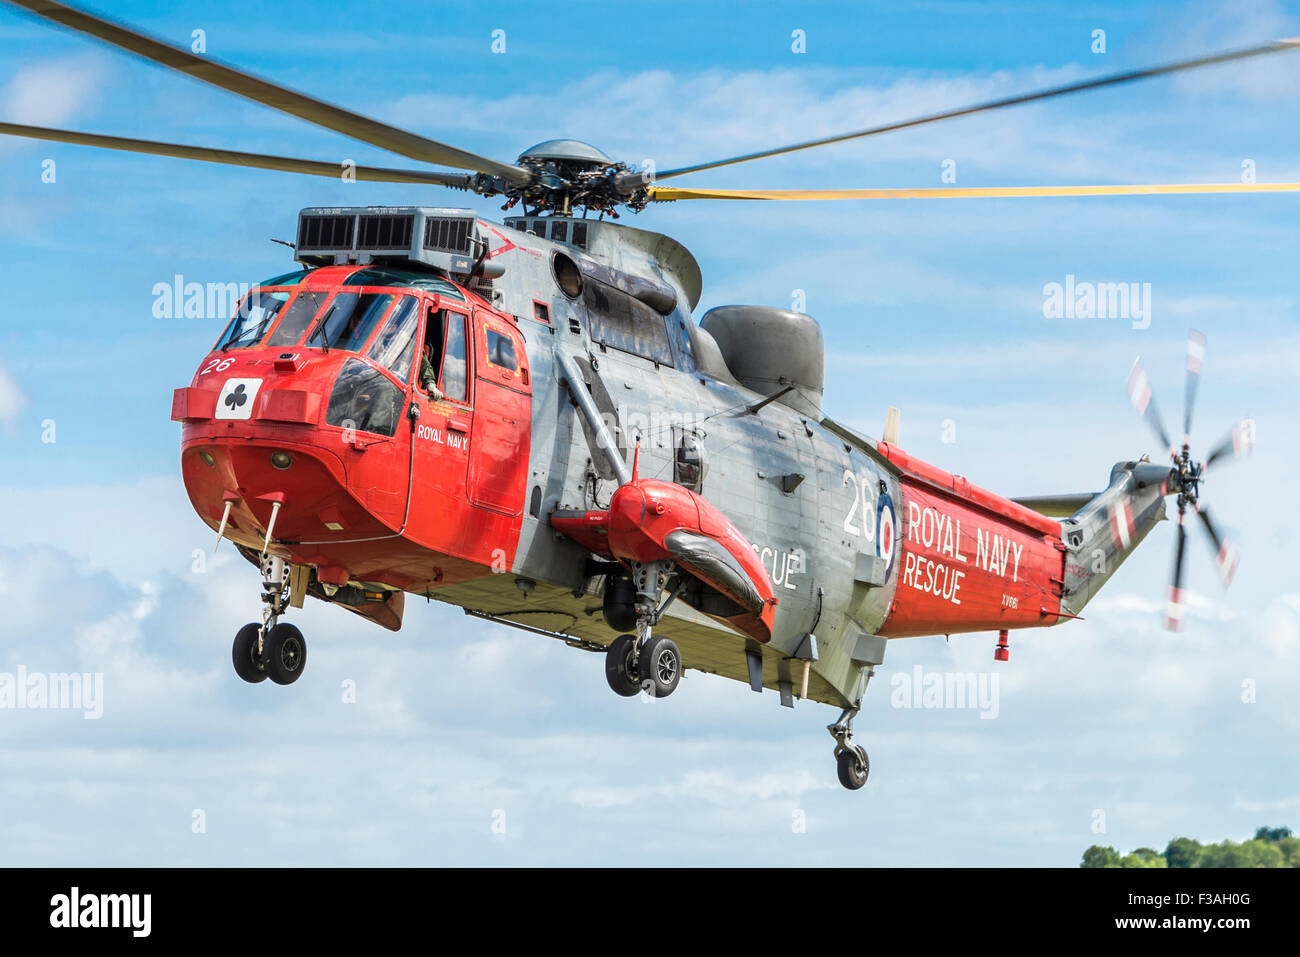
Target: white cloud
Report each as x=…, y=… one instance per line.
x=50, y=92
x=12, y=399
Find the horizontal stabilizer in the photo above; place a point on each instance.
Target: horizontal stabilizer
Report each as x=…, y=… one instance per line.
x=1056, y=506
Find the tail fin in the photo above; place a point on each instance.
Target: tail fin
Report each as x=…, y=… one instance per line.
x=1109, y=526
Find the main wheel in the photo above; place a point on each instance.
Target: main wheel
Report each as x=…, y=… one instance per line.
x=660, y=666
x=853, y=767
x=249, y=665
x=619, y=670
x=285, y=651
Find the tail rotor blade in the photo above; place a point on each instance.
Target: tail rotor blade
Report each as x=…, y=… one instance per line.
x=1195, y=357
x=1225, y=553
x=1174, y=607
x=1139, y=393
x=1237, y=443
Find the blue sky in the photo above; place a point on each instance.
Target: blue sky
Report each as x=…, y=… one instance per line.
x=934, y=307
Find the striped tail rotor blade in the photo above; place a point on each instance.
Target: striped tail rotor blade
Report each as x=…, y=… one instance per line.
x=1139, y=393
x=1195, y=359
x=1175, y=608
x=1225, y=553
x=1238, y=443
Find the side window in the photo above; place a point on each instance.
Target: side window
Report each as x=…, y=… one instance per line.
x=394, y=347
x=455, y=371
x=295, y=320
x=500, y=350
x=442, y=356
x=431, y=351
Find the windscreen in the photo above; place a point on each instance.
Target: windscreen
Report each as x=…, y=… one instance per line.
x=254, y=316
x=297, y=318
x=348, y=321
x=394, y=347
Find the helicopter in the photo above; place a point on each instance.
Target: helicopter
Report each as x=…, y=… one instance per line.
x=523, y=419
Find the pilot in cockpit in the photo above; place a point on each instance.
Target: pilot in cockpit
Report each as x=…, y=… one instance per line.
x=429, y=373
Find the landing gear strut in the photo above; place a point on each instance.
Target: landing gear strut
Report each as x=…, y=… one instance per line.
x=645, y=661
x=850, y=759
x=273, y=649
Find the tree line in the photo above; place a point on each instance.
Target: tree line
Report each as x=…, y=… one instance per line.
x=1270, y=847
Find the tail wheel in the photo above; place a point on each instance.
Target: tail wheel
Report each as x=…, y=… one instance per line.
x=620, y=671
x=853, y=767
x=249, y=665
x=660, y=666
x=285, y=653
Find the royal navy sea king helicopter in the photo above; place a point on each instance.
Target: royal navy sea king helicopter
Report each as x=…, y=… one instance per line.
x=524, y=419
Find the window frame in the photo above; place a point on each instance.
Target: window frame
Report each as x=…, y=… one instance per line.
x=435, y=305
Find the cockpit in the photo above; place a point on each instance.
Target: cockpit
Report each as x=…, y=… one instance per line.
x=380, y=333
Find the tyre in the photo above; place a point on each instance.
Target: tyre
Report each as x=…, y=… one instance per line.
x=619, y=671
x=248, y=664
x=285, y=652
x=660, y=666
x=853, y=767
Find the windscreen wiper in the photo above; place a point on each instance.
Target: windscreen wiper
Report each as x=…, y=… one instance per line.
x=320, y=328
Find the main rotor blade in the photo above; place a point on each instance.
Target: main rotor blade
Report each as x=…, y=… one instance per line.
x=234, y=158
x=1174, y=607
x=1238, y=442
x=669, y=194
x=1195, y=358
x=1114, y=79
x=269, y=94
x=1139, y=392
x=1225, y=553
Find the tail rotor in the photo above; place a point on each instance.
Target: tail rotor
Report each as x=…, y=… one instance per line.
x=1187, y=474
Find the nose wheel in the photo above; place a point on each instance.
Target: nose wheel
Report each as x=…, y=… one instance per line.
x=273, y=649
x=247, y=654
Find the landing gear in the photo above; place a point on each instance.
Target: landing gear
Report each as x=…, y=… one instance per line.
x=620, y=666
x=247, y=655
x=285, y=652
x=645, y=661
x=853, y=767
x=273, y=649
x=850, y=759
x=660, y=666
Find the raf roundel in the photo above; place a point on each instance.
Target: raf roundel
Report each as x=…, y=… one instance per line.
x=885, y=533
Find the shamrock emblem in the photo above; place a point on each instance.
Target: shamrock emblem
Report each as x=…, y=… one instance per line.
x=237, y=398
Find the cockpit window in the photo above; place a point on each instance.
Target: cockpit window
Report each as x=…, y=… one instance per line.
x=394, y=347
x=348, y=321
x=296, y=318
x=365, y=399
x=500, y=350
x=255, y=314
x=443, y=365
